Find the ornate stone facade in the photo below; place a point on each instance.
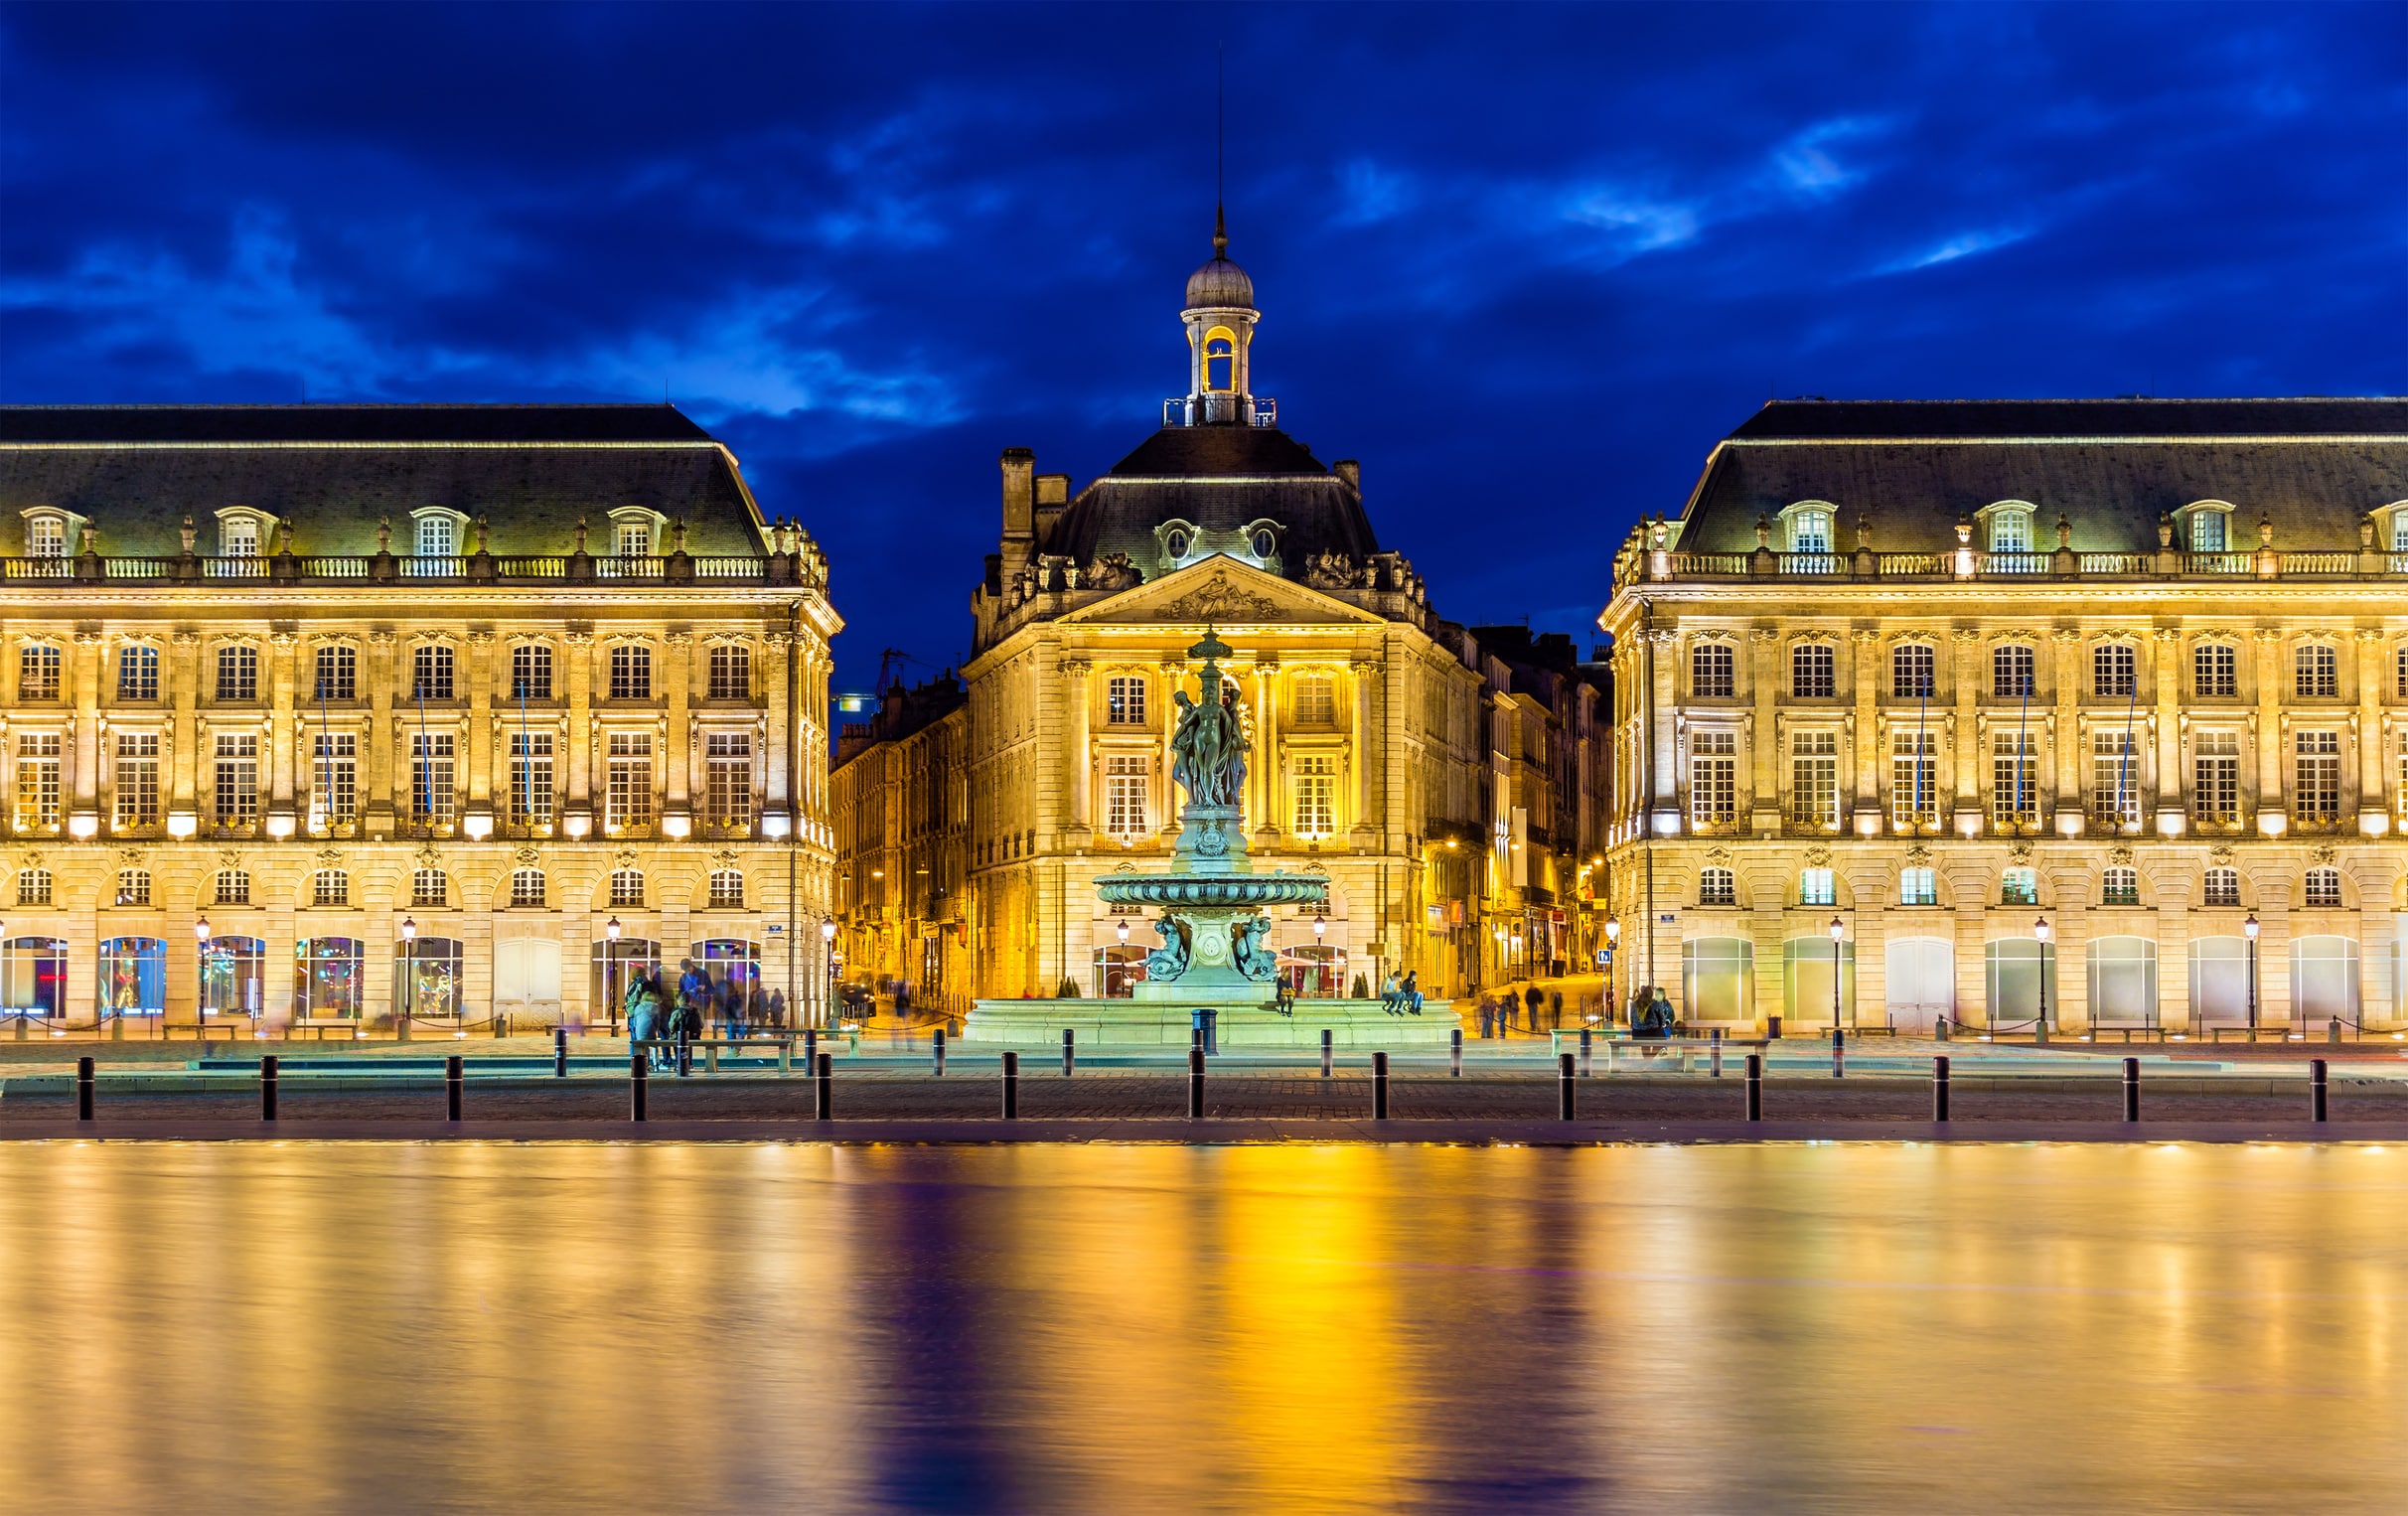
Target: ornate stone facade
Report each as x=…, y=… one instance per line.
x=1940, y=672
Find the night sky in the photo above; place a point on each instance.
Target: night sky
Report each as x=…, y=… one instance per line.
x=1527, y=263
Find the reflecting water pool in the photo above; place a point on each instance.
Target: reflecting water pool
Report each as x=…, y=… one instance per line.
x=466, y=1327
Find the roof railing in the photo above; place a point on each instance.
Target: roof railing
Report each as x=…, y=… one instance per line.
x=1971, y=563
x=394, y=568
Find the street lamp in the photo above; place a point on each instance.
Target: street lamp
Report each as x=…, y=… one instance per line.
x=1838, y=929
x=2039, y=1031
x=409, y=973
x=1613, y=943
x=2249, y=930
x=827, y=999
x=610, y=971
x=200, y=991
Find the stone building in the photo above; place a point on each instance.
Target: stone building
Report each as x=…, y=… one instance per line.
x=899, y=801
x=317, y=711
x=1940, y=673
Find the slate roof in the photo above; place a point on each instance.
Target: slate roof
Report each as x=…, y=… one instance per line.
x=332, y=471
x=1219, y=478
x=2112, y=468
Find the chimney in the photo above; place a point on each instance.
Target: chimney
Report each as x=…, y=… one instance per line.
x=1351, y=471
x=1053, y=495
x=1019, y=502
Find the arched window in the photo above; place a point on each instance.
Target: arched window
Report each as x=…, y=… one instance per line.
x=38, y=665
x=730, y=672
x=1811, y=670
x=2214, y=670
x=530, y=672
x=2323, y=888
x=133, y=887
x=2123, y=981
x=1316, y=700
x=436, y=537
x=627, y=886
x=2318, y=670
x=234, y=887
x=338, y=673
x=431, y=672
x=1263, y=543
x=2111, y=669
x=2222, y=887
x=2120, y=887
x=238, y=671
x=527, y=887
x=330, y=886
x=233, y=973
x=430, y=887
x=327, y=978
x=1717, y=980
x=1817, y=887
x=46, y=536
x=2011, y=671
x=1220, y=360
x=1911, y=670
x=1710, y=665
x=133, y=977
x=34, y=887
x=1810, y=530
x=2009, y=531
x=631, y=672
x=426, y=977
x=1717, y=886
x=2020, y=887
x=137, y=672
x=726, y=889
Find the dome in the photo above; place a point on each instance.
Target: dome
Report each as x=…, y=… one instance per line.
x=1220, y=284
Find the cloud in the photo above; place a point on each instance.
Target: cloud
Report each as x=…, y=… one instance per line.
x=1369, y=194
x=1808, y=163
x=1964, y=244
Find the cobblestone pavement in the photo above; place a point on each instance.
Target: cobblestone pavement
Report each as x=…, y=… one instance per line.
x=880, y=1095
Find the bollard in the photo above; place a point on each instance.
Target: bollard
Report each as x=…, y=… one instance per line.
x=2318, y=1107
x=1012, y=1084
x=1772, y=1028
x=1940, y=1030
x=267, y=1087
x=84, y=1089
x=1070, y=1058
x=1195, y=1080
x=560, y=1052
x=1716, y=1037
x=2132, y=1089
x=1939, y=1088
x=1839, y=1053
x=811, y=1051
x=1325, y=1051
x=1587, y=1040
x=1379, y=1087
x=1196, y=1035
x=1567, y=1081
x=1455, y=1052
x=638, y=1084
x=2333, y=1030
x=939, y=1044
x=1755, y=1085
x=685, y=1057
x=452, y=1079
x=823, y=1080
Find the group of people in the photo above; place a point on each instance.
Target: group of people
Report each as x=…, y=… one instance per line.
x=1651, y=1013
x=1498, y=1014
x=654, y=1014
x=1401, y=997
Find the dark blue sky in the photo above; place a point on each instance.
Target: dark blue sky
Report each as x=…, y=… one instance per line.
x=1527, y=263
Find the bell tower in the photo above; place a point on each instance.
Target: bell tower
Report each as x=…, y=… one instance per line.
x=1220, y=317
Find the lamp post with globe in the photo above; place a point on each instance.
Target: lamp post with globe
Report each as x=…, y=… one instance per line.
x=610, y=972
x=410, y=974
x=2249, y=931
x=1839, y=930
x=201, y=989
x=2039, y=1028
x=1613, y=942
x=828, y=998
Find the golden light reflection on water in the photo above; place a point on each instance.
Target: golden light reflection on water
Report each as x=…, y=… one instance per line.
x=324, y=1328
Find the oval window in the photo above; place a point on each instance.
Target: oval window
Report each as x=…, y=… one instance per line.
x=1176, y=543
x=1264, y=543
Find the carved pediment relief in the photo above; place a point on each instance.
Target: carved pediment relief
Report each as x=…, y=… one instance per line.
x=1225, y=593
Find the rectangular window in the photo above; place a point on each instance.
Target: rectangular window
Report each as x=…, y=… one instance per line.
x=2319, y=671
x=2011, y=532
x=631, y=672
x=1918, y=886
x=1814, y=780
x=2215, y=778
x=430, y=777
x=530, y=779
x=1910, y=672
x=1128, y=786
x=730, y=672
x=430, y=887
x=138, y=673
x=635, y=540
x=2214, y=670
x=338, y=673
x=238, y=671
x=727, y=779
x=1810, y=671
x=436, y=536
x=629, y=803
x=137, y=779
x=2011, y=671
x=530, y=672
x=2115, y=779
x=38, y=756
x=1124, y=701
x=1316, y=700
x=2207, y=532
x=2316, y=781
x=2020, y=887
x=45, y=538
x=1709, y=670
x=235, y=790
x=239, y=538
x=1816, y=886
x=1914, y=779
x=2111, y=669
x=38, y=665
x=431, y=672
x=2014, y=779
x=1713, y=777
x=2224, y=887
x=334, y=796
x=1810, y=531
x=1314, y=783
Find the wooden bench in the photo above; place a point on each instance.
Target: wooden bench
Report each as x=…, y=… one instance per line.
x=784, y=1042
x=2145, y=1033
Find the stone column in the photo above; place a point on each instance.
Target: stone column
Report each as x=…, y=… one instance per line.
x=1664, y=741
x=1764, y=736
x=1265, y=754
x=2368, y=728
x=284, y=645
x=677, y=733
x=1174, y=671
x=1963, y=751
x=183, y=729
x=376, y=804
x=579, y=757
x=2065, y=765
x=777, y=647
x=1365, y=743
x=2267, y=671
x=1076, y=671
x=1864, y=679
x=87, y=693
x=481, y=729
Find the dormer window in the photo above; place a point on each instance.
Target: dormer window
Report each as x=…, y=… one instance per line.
x=2206, y=526
x=1264, y=543
x=1177, y=538
x=635, y=540
x=439, y=535
x=1810, y=531
x=46, y=536
x=2008, y=523
x=239, y=538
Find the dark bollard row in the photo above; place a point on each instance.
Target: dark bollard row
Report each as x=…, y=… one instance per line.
x=1379, y=1087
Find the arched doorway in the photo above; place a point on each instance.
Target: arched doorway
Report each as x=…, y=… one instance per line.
x=426, y=978
x=1918, y=983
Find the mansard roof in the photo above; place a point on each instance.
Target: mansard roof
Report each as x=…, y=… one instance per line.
x=1220, y=480
x=135, y=472
x=2112, y=468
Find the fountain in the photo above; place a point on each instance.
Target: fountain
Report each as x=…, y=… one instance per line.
x=1217, y=963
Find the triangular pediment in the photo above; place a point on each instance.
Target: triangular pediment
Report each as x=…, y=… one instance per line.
x=1225, y=593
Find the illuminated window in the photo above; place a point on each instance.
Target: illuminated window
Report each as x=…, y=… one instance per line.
x=629, y=804
x=338, y=673
x=1811, y=670
x=330, y=886
x=1711, y=667
x=45, y=538
x=430, y=887
x=38, y=759
x=1810, y=531
x=1910, y=670
x=2324, y=888
x=727, y=776
x=2215, y=778
x=238, y=671
x=530, y=779
x=34, y=887
x=530, y=672
x=2111, y=669
x=1220, y=360
x=2315, y=791
x=2121, y=886
x=38, y=665
x=1717, y=886
x=2020, y=887
x=631, y=672
x=1817, y=887
x=1914, y=779
x=2011, y=671
x=730, y=672
x=1124, y=699
x=1128, y=786
x=2207, y=532
x=1314, y=784
x=133, y=887
x=235, y=798
x=436, y=536
x=1316, y=700
x=2014, y=779
x=137, y=779
x=1918, y=886
x=1814, y=780
x=2222, y=887
x=431, y=778
x=726, y=889
x=626, y=887
x=2115, y=777
x=1713, y=778
x=431, y=672
x=334, y=796
x=635, y=540
x=137, y=672
x=2011, y=532
x=2214, y=670
x=232, y=887
x=239, y=538
x=2317, y=666
x=527, y=887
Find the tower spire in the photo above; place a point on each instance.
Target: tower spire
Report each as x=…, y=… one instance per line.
x=1220, y=148
x=1220, y=233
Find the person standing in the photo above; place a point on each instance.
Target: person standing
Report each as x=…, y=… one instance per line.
x=1487, y=1016
x=1534, y=998
x=731, y=1000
